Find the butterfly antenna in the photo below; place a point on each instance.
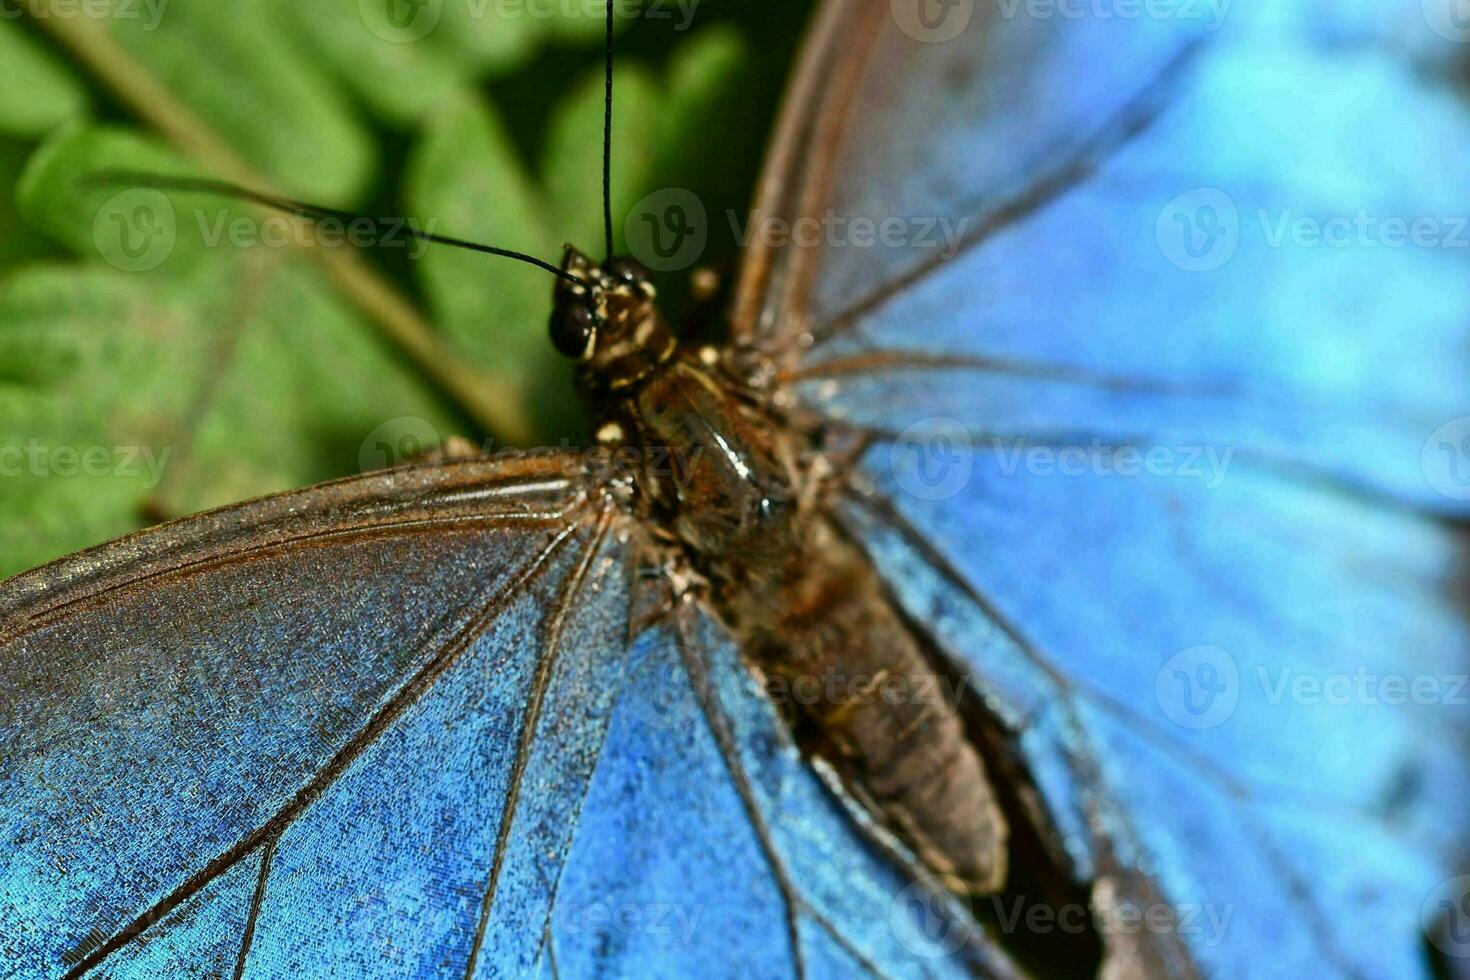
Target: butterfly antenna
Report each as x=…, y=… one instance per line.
x=607, y=121
x=316, y=212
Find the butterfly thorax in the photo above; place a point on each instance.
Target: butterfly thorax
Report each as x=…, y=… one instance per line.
x=738, y=492
x=708, y=465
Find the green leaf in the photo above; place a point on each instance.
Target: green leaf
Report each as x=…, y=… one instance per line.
x=707, y=100
x=241, y=370
x=237, y=371
x=75, y=341
x=18, y=241
x=493, y=36
x=466, y=180
x=572, y=165
x=578, y=21
x=466, y=177
x=239, y=72
x=37, y=91
x=132, y=230
x=403, y=72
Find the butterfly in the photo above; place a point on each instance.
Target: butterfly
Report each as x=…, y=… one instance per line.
x=1157, y=463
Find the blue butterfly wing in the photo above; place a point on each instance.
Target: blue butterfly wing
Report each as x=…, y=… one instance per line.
x=674, y=869
x=345, y=730
x=393, y=727
x=1172, y=478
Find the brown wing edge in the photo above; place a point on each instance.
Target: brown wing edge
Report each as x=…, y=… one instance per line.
x=534, y=489
x=797, y=171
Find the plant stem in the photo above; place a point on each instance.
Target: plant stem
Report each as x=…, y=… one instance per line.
x=493, y=404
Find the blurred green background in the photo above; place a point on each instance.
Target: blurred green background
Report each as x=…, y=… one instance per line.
x=152, y=366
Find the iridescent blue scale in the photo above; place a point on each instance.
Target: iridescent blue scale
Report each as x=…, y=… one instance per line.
x=398, y=726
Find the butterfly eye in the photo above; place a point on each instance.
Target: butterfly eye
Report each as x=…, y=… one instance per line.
x=572, y=327
x=627, y=270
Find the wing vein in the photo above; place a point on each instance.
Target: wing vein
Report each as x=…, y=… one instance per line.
x=1134, y=118
x=536, y=701
x=719, y=724
x=256, y=901
x=874, y=362
x=260, y=551
x=400, y=702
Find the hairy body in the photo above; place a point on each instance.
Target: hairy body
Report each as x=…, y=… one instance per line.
x=744, y=502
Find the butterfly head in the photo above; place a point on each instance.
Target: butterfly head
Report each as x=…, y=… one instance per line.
x=608, y=322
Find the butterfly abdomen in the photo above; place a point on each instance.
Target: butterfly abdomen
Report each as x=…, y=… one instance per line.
x=856, y=679
x=809, y=611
